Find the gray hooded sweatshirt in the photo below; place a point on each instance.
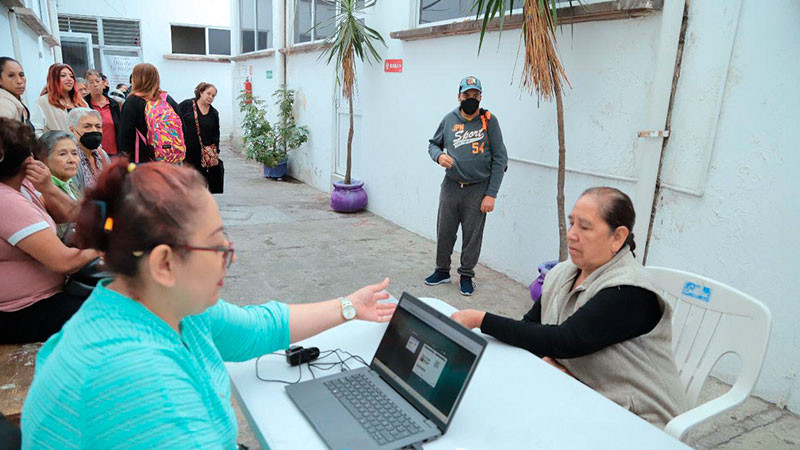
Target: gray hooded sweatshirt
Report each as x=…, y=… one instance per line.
x=476, y=147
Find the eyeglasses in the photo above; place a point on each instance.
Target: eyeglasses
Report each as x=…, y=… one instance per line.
x=227, y=252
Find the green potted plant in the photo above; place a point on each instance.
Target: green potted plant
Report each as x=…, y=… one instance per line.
x=264, y=142
x=288, y=135
x=350, y=39
x=258, y=137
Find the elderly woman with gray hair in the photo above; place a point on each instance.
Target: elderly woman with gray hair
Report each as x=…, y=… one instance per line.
x=87, y=127
x=59, y=151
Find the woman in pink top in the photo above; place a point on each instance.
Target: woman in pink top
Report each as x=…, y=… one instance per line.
x=33, y=261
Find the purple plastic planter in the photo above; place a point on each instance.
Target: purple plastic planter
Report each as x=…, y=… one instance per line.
x=348, y=197
x=278, y=171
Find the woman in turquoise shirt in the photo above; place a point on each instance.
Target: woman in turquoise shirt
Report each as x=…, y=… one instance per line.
x=140, y=365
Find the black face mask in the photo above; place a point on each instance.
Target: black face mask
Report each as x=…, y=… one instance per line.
x=469, y=106
x=91, y=140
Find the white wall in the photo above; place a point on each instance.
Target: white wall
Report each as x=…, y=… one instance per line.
x=35, y=60
x=178, y=78
x=741, y=231
x=736, y=102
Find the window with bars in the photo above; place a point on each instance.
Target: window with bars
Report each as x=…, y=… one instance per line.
x=113, y=41
x=255, y=25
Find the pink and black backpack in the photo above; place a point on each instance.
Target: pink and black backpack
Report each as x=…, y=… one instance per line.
x=164, y=131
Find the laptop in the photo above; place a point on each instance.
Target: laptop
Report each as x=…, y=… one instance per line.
x=408, y=394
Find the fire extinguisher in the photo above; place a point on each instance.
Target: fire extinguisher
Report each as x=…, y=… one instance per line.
x=248, y=90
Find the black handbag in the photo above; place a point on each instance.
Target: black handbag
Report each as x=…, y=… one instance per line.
x=215, y=176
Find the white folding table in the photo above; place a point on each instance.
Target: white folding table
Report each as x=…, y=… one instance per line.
x=514, y=401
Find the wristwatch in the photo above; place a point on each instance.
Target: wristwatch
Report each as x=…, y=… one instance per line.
x=348, y=310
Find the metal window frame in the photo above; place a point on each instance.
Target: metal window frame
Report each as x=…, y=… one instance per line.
x=240, y=50
x=416, y=15
x=314, y=38
x=101, y=45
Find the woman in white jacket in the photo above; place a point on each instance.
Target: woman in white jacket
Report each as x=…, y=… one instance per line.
x=12, y=86
x=58, y=98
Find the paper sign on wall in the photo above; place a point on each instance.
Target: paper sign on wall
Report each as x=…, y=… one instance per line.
x=269, y=74
x=118, y=68
x=393, y=65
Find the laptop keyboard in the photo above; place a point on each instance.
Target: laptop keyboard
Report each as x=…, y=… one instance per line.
x=382, y=419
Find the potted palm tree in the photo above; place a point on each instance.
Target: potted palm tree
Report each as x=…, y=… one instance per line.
x=542, y=72
x=351, y=39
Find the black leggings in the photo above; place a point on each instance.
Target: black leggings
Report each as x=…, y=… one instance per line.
x=39, y=321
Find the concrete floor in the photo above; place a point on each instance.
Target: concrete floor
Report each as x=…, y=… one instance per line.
x=290, y=246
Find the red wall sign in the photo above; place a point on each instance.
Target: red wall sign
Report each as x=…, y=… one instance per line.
x=393, y=65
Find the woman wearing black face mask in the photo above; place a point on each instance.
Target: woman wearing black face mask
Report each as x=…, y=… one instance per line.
x=87, y=126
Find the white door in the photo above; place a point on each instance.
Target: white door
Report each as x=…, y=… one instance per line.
x=77, y=51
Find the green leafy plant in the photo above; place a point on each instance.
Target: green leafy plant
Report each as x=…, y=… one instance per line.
x=258, y=136
x=350, y=39
x=264, y=142
x=542, y=72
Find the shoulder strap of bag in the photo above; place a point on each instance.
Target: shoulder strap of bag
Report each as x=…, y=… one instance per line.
x=485, y=117
x=197, y=123
x=139, y=137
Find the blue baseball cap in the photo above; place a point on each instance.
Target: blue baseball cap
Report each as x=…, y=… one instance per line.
x=470, y=83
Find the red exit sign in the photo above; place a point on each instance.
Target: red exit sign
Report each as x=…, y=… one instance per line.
x=393, y=65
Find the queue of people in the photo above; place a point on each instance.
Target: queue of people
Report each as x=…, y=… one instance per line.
x=150, y=342
x=44, y=179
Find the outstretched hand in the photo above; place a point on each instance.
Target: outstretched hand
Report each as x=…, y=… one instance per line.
x=366, y=302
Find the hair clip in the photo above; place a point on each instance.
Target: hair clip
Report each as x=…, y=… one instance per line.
x=137, y=253
x=103, y=207
x=108, y=225
x=131, y=167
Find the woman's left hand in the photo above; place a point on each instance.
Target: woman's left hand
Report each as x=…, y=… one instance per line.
x=366, y=303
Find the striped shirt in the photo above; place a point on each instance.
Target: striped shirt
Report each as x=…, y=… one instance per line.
x=119, y=376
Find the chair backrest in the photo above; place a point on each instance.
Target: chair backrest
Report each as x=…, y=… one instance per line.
x=709, y=320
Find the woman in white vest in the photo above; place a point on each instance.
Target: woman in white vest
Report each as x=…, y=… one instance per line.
x=58, y=98
x=600, y=318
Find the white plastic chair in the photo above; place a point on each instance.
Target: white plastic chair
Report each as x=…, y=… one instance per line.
x=710, y=320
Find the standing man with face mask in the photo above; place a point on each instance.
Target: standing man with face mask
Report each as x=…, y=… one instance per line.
x=469, y=145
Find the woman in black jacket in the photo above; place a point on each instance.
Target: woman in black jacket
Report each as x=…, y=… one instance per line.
x=197, y=113
x=145, y=87
x=108, y=109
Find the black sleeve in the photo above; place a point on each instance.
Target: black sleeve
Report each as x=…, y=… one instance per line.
x=534, y=314
x=215, y=138
x=132, y=112
x=114, y=107
x=613, y=315
x=184, y=107
x=174, y=104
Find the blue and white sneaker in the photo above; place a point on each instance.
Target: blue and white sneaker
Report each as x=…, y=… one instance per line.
x=438, y=278
x=467, y=286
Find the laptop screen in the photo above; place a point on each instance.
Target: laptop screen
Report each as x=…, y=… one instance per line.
x=427, y=358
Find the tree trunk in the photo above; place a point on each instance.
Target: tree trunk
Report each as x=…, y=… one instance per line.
x=349, y=142
x=562, y=151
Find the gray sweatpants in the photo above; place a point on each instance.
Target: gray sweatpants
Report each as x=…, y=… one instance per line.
x=460, y=205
